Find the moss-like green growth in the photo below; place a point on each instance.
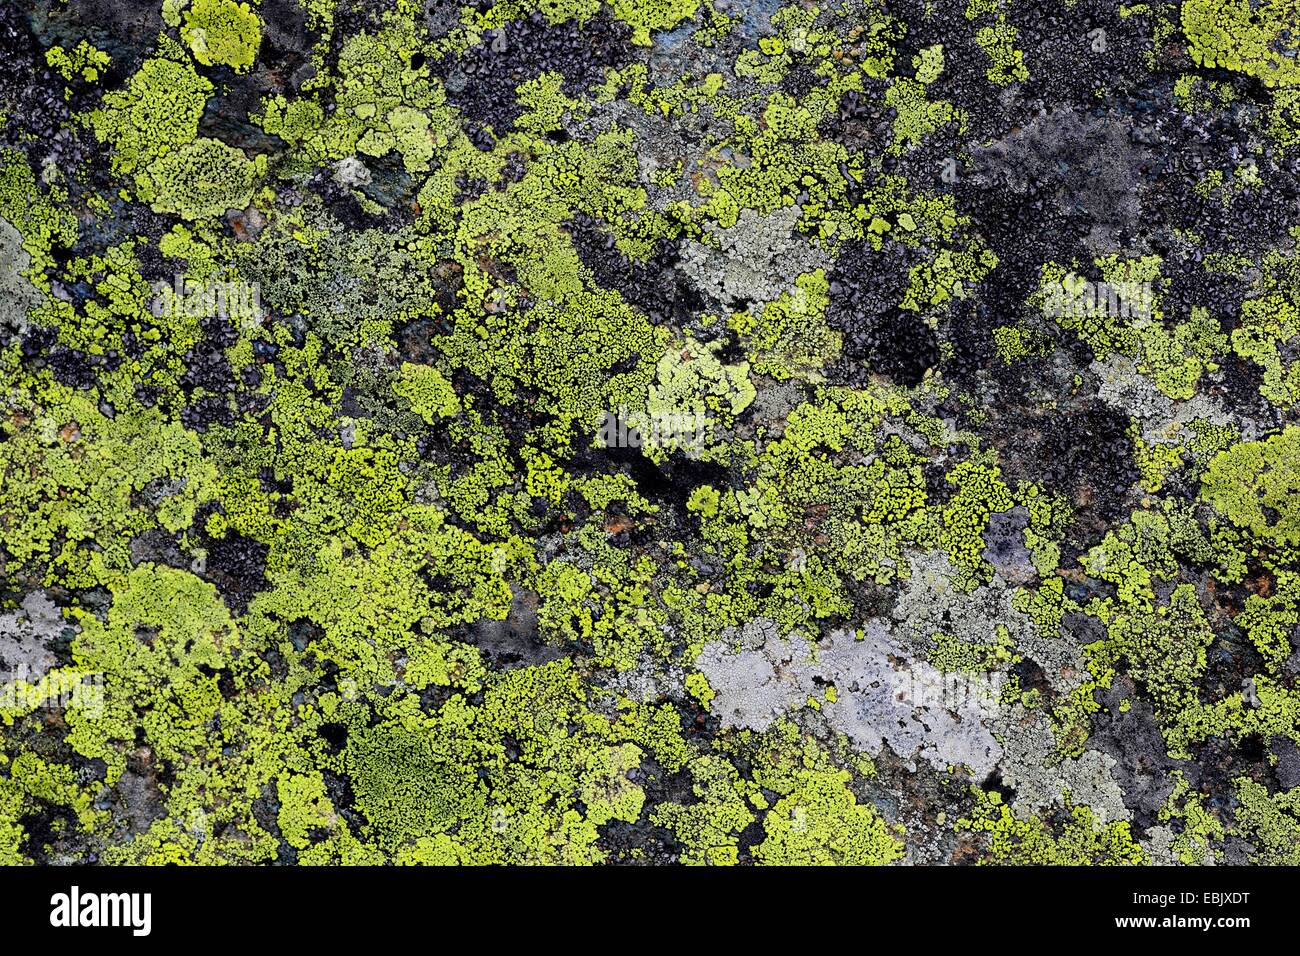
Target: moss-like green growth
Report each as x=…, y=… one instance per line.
x=1075, y=838
x=404, y=786
x=38, y=214
x=1234, y=35
x=1006, y=63
x=1270, y=821
x=821, y=822
x=790, y=335
x=222, y=32
x=645, y=16
x=157, y=113
x=203, y=178
x=1256, y=485
x=85, y=60
x=419, y=449
x=430, y=394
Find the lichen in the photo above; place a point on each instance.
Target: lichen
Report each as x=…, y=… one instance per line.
x=651, y=431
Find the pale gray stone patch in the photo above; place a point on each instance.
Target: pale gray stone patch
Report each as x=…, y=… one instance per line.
x=1005, y=548
x=1159, y=847
x=1029, y=766
x=755, y=675
x=928, y=603
x=773, y=404
x=1162, y=419
x=921, y=712
x=17, y=295
x=757, y=259
x=882, y=695
x=648, y=681
x=948, y=436
x=1090, y=781
x=24, y=637
x=664, y=144
x=351, y=172
x=924, y=600
x=1060, y=658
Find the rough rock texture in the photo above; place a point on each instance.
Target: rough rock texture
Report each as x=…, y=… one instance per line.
x=628, y=431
